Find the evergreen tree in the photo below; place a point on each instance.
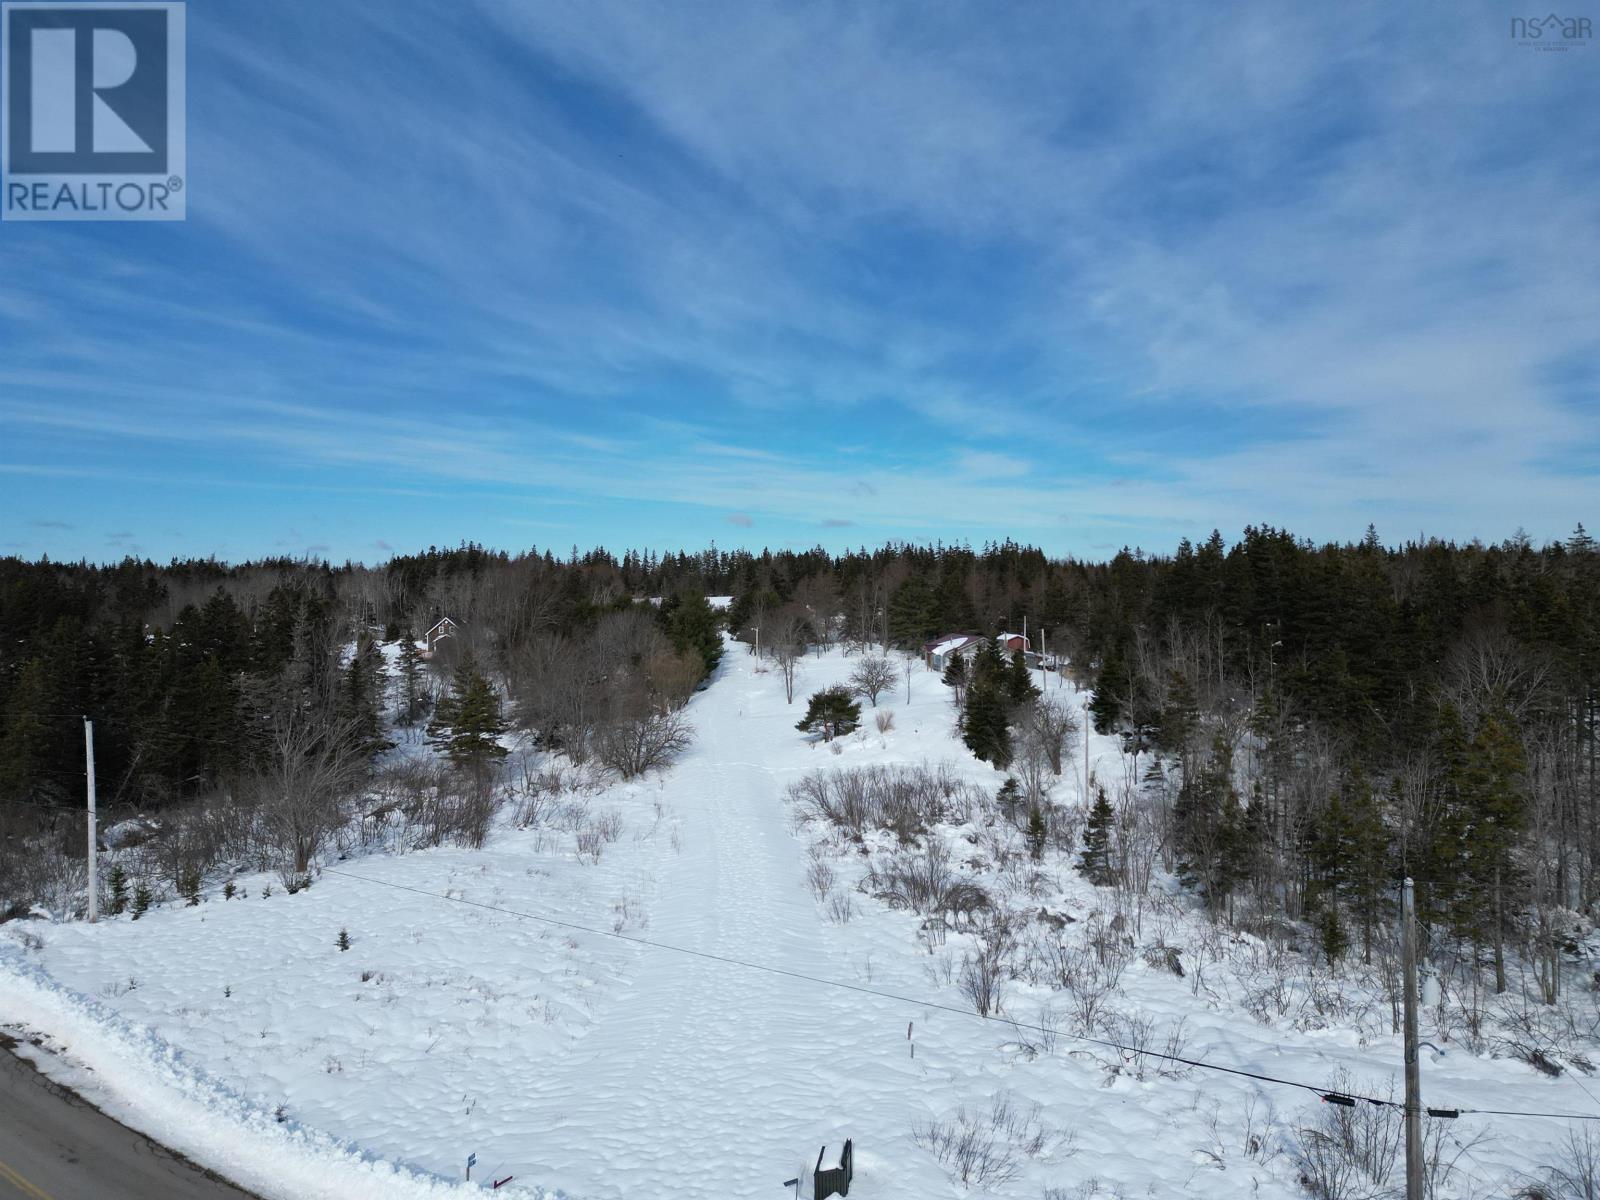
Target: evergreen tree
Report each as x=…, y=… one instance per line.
x=25, y=748
x=361, y=698
x=1095, y=861
x=955, y=677
x=1020, y=688
x=1038, y=833
x=1008, y=798
x=118, y=884
x=985, y=721
x=142, y=899
x=913, y=613
x=467, y=724
x=1331, y=931
x=1111, y=686
x=693, y=626
x=1349, y=856
x=833, y=712
x=412, y=694
x=1212, y=831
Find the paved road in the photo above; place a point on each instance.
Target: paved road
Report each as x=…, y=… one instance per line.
x=54, y=1145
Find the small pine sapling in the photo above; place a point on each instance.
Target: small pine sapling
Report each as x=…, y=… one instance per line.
x=344, y=939
x=1008, y=798
x=118, y=884
x=1038, y=832
x=142, y=899
x=230, y=890
x=189, y=887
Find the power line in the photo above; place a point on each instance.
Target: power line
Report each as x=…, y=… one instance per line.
x=1326, y=1094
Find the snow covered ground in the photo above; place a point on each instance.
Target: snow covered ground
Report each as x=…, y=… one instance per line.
x=602, y=1068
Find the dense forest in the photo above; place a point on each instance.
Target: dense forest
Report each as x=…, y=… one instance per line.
x=1310, y=722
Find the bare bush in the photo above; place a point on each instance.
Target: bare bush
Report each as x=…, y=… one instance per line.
x=632, y=747
x=1576, y=1176
x=919, y=881
x=905, y=800
x=819, y=875
x=596, y=833
x=1351, y=1151
x=884, y=721
x=985, y=1148
x=985, y=970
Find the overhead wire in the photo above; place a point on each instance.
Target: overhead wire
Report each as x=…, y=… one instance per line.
x=1328, y=1095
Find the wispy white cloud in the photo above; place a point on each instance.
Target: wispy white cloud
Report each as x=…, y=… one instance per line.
x=1042, y=270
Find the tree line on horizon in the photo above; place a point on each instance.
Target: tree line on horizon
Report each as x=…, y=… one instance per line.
x=1310, y=721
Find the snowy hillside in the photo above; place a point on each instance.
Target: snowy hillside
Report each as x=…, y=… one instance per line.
x=605, y=1068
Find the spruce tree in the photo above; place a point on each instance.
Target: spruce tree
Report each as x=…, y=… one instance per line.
x=361, y=698
x=1110, y=686
x=693, y=626
x=832, y=712
x=1095, y=860
x=412, y=695
x=985, y=722
x=1037, y=833
x=955, y=678
x=1020, y=688
x=467, y=724
x=118, y=884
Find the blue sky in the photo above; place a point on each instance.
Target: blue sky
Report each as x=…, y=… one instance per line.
x=656, y=275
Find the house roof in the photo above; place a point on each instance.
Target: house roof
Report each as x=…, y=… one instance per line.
x=441, y=623
x=957, y=642
x=1006, y=637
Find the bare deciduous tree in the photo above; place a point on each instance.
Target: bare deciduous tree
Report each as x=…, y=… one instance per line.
x=873, y=676
x=309, y=772
x=787, y=644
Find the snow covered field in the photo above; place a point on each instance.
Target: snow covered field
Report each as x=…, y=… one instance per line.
x=601, y=1068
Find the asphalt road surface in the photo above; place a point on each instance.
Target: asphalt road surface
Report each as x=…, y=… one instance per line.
x=54, y=1145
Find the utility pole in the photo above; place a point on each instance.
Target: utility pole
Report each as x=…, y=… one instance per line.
x=88, y=754
x=1086, y=756
x=1408, y=955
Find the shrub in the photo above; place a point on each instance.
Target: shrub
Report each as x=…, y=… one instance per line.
x=921, y=882
x=884, y=720
x=119, y=891
x=905, y=800
x=984, y=1148
x=630, y=748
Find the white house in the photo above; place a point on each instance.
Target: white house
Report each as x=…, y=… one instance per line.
x=939, y=652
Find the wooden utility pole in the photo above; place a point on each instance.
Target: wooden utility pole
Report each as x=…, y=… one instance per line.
x=88, y=754
x=1408, y=955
